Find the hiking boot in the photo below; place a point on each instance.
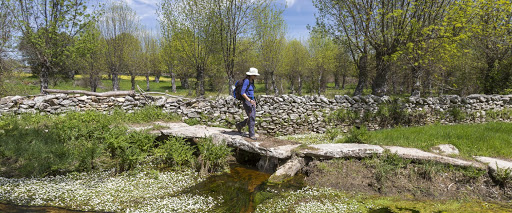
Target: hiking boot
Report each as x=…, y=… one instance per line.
x=253, y=138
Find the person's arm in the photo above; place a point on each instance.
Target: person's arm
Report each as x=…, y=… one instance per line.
x=245, y=86
x=244, y=89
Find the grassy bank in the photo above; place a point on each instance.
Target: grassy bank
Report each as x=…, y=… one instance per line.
x=491, y=139
x=33, y=145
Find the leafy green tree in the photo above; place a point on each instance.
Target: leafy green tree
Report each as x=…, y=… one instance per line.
x=491, y=33
x=270, y=32
x=323, y=52
x=386, y=25
x=295, y=62
x=7, y=28
x=48, y=28
x=90, y=57
x=192, y=25
x=234, y=19
x=118, y=24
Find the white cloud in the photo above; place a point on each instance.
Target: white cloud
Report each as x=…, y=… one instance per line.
x=290, y=2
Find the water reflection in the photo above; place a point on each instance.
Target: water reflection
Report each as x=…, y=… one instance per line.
x=5, y=208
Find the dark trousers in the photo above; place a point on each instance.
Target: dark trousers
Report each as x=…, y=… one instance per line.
x=250, y=110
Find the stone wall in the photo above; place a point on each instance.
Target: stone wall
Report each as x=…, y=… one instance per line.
x=287, y=114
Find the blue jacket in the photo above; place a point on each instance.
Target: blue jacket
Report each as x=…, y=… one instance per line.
x=248, y=89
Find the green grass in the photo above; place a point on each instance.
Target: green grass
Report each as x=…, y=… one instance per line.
x=27, y=84
x=489, y=139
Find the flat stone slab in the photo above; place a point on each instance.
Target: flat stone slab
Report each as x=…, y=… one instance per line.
x=287, y=170
x=238, y=141
x=186, y=131
x=412, y=153
x=494, y=163
x=228, y=136
x=341, y=150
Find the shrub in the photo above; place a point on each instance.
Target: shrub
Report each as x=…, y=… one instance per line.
x=456, y=113
x=333, y=133
x=357, y=135
x=175, y=151
x=212, y=157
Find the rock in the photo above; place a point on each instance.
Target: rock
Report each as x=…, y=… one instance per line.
x=82, y=98
x=122, y=100
x=416, y=154
x=324, y=99
x=129, y=99
x=160, y=102
x=193, y=115
x=30, y=103
x=495, y=164
x=445, y=149
x=294, y=116
x=267, y=164
x=66, y=103
x=289, y=169
x=327, y=151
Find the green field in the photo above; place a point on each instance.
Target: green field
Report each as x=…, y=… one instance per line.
x=27, y=84
x=489, y=139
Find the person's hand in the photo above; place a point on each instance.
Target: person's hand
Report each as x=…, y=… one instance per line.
x=253, y=102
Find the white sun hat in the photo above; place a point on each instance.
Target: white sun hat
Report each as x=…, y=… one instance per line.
x=252, y=71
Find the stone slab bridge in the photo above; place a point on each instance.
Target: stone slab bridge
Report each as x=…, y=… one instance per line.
x=285, y=158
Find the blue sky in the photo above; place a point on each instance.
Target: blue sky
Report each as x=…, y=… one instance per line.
x=298, y=15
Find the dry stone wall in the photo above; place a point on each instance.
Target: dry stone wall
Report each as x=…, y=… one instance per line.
x=287, y=114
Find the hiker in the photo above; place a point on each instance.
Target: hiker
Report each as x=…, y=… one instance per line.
x=247, y=93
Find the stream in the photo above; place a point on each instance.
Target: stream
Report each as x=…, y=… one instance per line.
x=238, y=189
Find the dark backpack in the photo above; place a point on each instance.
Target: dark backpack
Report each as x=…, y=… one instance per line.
x=237, y=92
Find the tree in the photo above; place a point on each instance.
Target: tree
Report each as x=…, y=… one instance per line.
x=270, y=32
x=234, y=18
x=191, y=22
x=295, y=61
x=337, y=19
x=323, y=52
x=117, y=25
x=90, y=48
x=491, y=33
x=48, y=28
x=386, y=25
x=7, y=27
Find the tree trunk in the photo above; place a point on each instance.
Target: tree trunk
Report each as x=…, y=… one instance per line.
x=200, y=81
x=44, y=78
x=379, y=86
x=93, y=81
x=267, y=83
x=157, y=78
x=362, y=66
x=489, y=83
x=292, y=84
x=173, y=82
x=147, y=82
x=416, y=77
x=274, y=85
x=344, y=79
x=337, y=79
x=184, y=82
x=299, y=90
x=132, y=80
x=115, y=80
